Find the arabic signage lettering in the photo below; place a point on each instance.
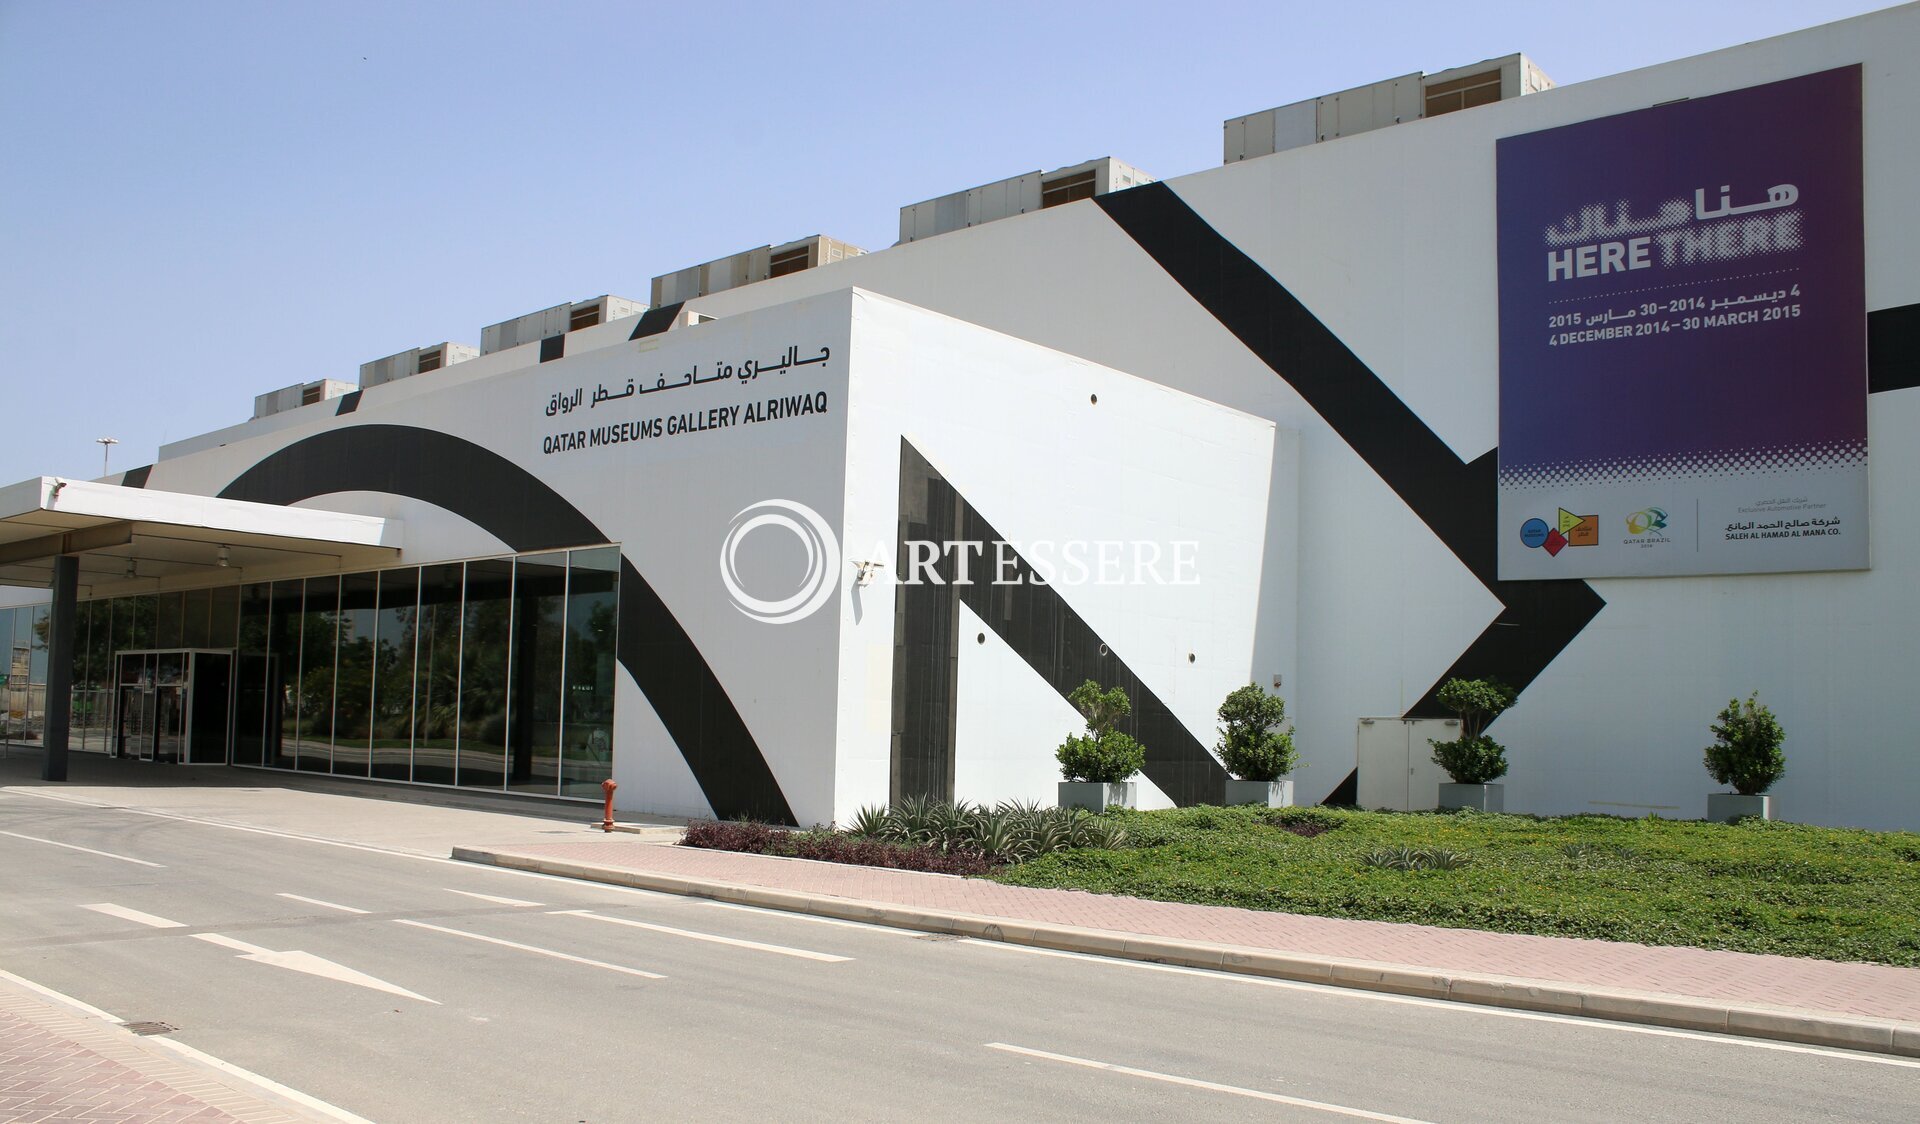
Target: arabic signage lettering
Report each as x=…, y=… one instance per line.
x=1683, y=338
x=612, y=428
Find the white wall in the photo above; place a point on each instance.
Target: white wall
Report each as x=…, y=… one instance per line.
x=1013, y=427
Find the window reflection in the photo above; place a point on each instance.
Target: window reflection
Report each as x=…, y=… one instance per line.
x=539, y=646
x=494, y=674
x=593, y=605
x=353, y=674
x=485, y=651
x=436, y=682
x=195, y=628
x=166, y=621
x=283, y=673
x=250, y=676
x=393, y=647
x=313, y=725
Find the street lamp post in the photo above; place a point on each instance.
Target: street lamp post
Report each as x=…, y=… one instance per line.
x=106, y=451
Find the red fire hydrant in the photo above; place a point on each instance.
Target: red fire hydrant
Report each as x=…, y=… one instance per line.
x=607, y=786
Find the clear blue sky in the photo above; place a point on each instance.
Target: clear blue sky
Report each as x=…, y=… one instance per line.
x=203, y=201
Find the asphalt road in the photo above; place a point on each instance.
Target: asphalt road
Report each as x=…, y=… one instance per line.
x=405, y=988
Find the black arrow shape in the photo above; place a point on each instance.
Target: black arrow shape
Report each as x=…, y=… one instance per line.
x=1538, y=619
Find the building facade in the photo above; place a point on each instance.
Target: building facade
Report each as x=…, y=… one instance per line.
x=1300, y=361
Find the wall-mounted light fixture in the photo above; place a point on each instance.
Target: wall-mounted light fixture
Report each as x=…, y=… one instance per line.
x=863, y=572
x=225, y=559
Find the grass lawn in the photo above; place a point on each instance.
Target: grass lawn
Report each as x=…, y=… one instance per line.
x=1778, y=888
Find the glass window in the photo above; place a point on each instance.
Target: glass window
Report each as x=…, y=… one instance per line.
x=485, y=656
x=87, y=726
x=37, y=628
x=539, y=647
x=393, y=647
x=593, y=610
x=286, y=613
x=250, y=675
x=135, y=633
x=8, y=720
x=436, y=690
x=100, y=644
x=77, y=666
x=194, y=631
x=319, y=623
x=353, y=675
x=223, y=616
x=167, y=621
x=36, y=702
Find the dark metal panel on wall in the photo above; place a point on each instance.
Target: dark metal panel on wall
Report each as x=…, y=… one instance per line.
x=926, y=662
x=1035, y=621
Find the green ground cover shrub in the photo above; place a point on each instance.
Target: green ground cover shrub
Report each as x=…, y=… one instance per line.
x=1789, y=889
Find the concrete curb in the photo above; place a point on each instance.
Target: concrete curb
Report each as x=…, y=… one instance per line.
x=1784, y=1024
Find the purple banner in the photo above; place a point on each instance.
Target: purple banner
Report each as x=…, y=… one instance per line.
x=1683, y=338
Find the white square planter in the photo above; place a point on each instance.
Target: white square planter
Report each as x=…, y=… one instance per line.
x=1479, y=797
x=1726, y=807
x=1094, y=796
x=1271, y=794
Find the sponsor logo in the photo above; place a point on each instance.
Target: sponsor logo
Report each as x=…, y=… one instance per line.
x=1571, y=530
x=1647, y=521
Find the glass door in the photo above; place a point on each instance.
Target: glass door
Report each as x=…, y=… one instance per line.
x=174, y=706
x=169, y=723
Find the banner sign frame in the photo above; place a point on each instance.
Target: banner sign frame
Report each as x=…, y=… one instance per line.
x=1683, y=368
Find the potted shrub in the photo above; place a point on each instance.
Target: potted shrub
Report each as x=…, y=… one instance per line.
x=1473, y=760
x=1746, y=753
x=1098, y=765
x=1256, y=751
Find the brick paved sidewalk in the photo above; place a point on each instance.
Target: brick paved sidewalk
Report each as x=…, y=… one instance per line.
x=1870, y=990
x=60, y=1065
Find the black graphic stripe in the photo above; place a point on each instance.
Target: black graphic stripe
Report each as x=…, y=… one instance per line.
x=553, y=347
x=520, y=510
x=1031, y=618
x=683, y=690
x=136, y=477
x=1893, y=348
x=1456, y=500
x=656, y=320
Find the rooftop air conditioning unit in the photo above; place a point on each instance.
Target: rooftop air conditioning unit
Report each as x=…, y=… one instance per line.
x=415, y=361
x=556, y=321
x=749, y=266
x=298, y=395
x=1001, y=199
x=1365, y=108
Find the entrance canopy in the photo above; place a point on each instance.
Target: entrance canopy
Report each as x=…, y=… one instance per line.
x=130, y=538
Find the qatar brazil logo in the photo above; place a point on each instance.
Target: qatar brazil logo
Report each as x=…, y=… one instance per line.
x=1650, y=520
x=820, y=549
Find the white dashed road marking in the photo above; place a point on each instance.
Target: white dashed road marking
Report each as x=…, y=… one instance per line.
x=1210, y=1086
x=714, y=938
